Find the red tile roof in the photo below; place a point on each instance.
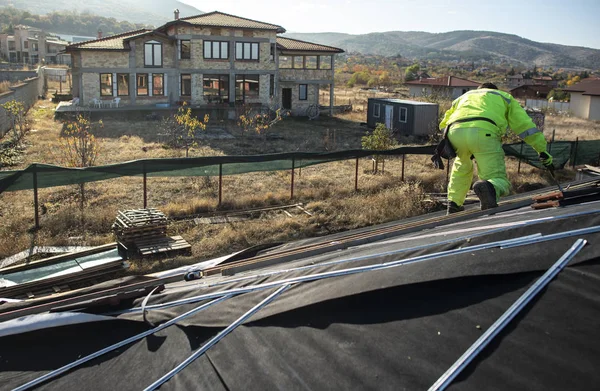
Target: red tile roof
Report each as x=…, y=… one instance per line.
x=448, y=81
x=589, y=86
x=220, y=19
x=112, y=42
x=303, y=46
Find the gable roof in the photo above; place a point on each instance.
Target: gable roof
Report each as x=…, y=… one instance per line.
x=446, y=81
x=220, y=19
x=112, y=42
x=590, y=86
x=290, y=44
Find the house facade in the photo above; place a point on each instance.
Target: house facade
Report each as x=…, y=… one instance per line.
x=210, y=59
x=32, y=46
x=448, y=86
x=585, y=99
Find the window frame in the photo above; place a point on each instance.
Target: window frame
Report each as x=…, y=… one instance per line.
x=400, y=111
x=110, y=75
x=294, y=62
x=181, y=89
x=376, y=110
x=162, y=87
x=300, y=91
x=289, y=61
x=330, y=62
x=243, y=94
x=247, y=46
x=153, y=45
x=128, y=79
x=222, y=79
x=137, y=84
x=189, y=49
x=315, y=65
x=212, y=50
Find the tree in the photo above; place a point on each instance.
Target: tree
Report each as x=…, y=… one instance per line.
x=16, y=111
x=181, y=128
x=411, y=72
x=258, y=122
x=380, y=140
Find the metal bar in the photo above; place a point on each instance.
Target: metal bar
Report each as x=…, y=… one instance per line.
x=402, y=176
x=575, y=153
x=213, y=341
x=520, y=158
x=35, y=199
x=68, y=367
x=145, y=188
x=577, y=232
x=356, y=177
x=220, y=183
x=292, y=186
x=509, y=315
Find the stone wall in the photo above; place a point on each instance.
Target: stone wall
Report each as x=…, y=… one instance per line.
x=169, y=49
x=306, y=74
x=27, y=92
x=105, y=59
x=299, y=106
x=15, y=76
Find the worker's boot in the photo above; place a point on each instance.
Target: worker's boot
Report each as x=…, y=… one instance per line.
x=453, y=208
x=486, y=193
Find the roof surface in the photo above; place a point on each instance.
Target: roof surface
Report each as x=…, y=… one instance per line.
x=220, y=19
x=589, y=86
x=448, y=81
x=303, y=46
x=113, y=42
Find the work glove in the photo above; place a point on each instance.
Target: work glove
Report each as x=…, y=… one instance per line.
x=546, y=160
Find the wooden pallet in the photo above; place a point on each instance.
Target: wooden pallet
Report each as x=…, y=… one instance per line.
x=132, y=225
x=164, y=244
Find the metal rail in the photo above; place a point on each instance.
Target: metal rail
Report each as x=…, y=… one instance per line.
x=446, y=379
x=213, y=341
x=68, y=367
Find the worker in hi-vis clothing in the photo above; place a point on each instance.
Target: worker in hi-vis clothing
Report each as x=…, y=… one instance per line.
x=477, y=120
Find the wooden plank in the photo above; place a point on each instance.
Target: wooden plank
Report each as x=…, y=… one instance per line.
x=304, y=210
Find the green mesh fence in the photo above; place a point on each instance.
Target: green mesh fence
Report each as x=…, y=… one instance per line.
x=45, y=175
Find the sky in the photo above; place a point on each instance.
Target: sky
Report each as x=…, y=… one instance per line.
x=575, y=22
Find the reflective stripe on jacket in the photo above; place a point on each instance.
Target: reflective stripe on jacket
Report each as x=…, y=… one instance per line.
x=500, y=107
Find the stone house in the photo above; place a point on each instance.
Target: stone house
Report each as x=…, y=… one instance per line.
x=29, y=45
x=448, y=86
x=213, y=59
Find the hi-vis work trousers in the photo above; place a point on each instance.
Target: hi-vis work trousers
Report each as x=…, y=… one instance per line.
x=486, y=147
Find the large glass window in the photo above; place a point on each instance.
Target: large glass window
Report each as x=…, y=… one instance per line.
x=106, y=88
x=324, y=62
x=158, y=87
x=185, y=49
x=216, y=50
x=298, y=62
x=186, y=85
x=216, y=88
x=246, y=51
x=142, y=84
x=403, y=112
x=311, y=62
x=246, y=86
x=122, y=84
x=285, y=62
x=303, y=92
x=153, y=54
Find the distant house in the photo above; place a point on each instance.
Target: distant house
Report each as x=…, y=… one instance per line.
x=448, y=86
x=585, y=99
x=531, y=91
x=407, y=117
x=29, y=45
x=519, y=80
x=545, y=80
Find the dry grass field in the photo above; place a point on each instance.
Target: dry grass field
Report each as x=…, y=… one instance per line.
x=326, y=190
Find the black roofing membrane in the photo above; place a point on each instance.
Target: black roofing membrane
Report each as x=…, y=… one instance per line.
x=394, y=329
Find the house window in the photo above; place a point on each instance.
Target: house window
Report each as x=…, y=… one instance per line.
x=185, y=49
x=186, y=85
x=298, y=62
x=106, y=88
x=272, y=56
x=324, y=62
x=142, y=84
x=303, y=92
x=246, y=86
x=285, y=62
x=216, y=88
x=246, y=51
x=403, y=112
x=271, y=85
x=34, y=47
x=11, y=45
x=122, y=84
x=158, y=84
x=26, y=45
x=376, y=110
x=311, y=62
x=153, y=54
x=216, y=50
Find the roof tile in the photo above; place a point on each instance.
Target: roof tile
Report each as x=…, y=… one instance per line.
x=220, y=19
x=448, y=81
x=113, y=42
x=295, y=44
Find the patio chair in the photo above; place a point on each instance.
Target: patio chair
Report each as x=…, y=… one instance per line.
x=115, y=102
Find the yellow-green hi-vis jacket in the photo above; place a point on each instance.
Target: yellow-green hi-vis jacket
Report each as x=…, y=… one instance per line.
x=500, y=107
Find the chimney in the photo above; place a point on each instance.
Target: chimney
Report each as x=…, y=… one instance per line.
x=176, y=12
x=99, y=33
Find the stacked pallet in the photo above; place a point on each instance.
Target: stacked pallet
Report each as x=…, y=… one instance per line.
x=139, y=224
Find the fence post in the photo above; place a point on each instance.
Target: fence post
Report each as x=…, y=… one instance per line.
x=35, y=198
x=402, y=176
x=292, y=186
x=520, y=156
x=575, y=153
x=145, y=186
x=356, y=177
x=220, y=183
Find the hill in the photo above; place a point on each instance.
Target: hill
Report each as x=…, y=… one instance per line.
x=152, y=12
x=460, y=45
